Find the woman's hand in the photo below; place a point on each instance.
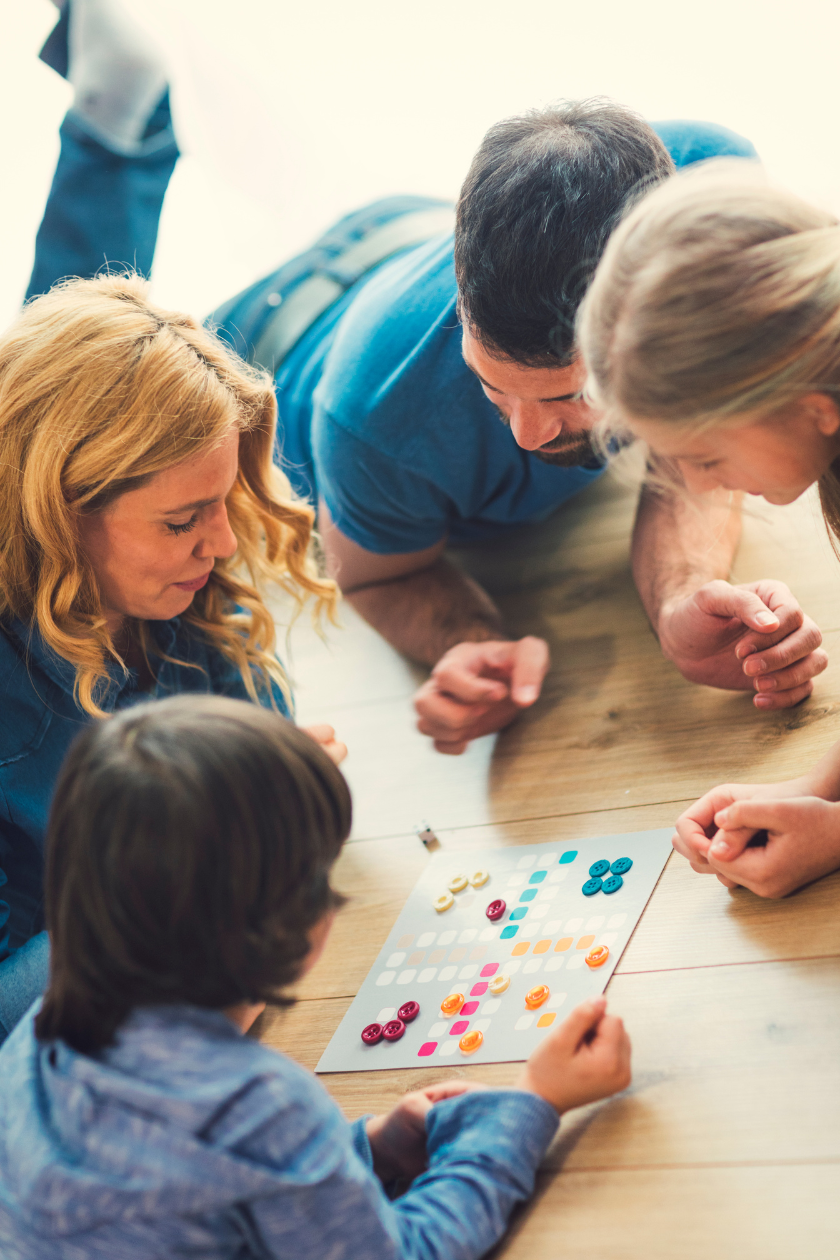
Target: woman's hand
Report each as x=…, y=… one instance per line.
x=586, y=1058
x=325, y=736
x=803, y=843
x=398, y=1140
x=696, y=826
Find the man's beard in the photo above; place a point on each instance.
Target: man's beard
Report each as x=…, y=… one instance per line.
x=573, y=451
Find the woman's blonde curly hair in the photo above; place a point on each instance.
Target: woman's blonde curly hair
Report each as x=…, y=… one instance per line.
x=100, y=389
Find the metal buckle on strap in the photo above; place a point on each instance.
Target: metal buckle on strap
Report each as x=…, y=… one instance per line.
x=326, y=285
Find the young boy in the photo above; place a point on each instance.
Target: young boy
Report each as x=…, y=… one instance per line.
x=188, y=860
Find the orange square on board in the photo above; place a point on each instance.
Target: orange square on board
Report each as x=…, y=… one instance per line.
x=546, y=1020
x=585, y=942
x=563, y=943
x=521, y=948
x=541, y=947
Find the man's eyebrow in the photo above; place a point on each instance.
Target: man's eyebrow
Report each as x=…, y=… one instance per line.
x=191, y=507
x=557, y=398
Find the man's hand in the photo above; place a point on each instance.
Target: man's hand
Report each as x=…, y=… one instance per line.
x=477, y=688
x=744, y=637
x=398, y=1140
x=325, y=736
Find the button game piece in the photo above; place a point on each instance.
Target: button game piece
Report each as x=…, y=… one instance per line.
x=372, y=1034
x=613, y=884
x=536, y=996
x=496, y=910
x=479, y=878
x=597, y=956
x=457, y=883
x=621, y=866
x=591, y=887
x=599, y=869
x=393, y=1030
x=443, y=902
x=470, y=1042
x=499, y=983
x=408, y=1012
x=452, y=1004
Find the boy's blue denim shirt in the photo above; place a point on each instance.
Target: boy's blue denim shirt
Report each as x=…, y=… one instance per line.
x=39, y=717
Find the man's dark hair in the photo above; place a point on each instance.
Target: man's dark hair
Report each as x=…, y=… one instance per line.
x=542, y=195
x=189, y=849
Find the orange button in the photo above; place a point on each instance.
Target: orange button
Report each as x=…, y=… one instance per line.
x=598, y=956
x=470, y=1042
x=562, y=944
x=521, y=948
x=536, y=996
x=452, y=1004
x=585, y=942
x=541, y=947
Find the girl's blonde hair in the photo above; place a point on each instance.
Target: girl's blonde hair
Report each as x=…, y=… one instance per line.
x=100, y=390
x=717, y=296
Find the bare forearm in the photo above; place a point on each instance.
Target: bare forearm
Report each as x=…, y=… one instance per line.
x=424, y=614
x=680, y=544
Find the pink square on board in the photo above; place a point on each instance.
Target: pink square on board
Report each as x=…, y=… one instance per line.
x=469, y=1008
x=428, y=1047
x=460, y=1027
x=490, y=969
x=478, y=989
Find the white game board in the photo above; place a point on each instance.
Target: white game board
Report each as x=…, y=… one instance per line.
x=548, y=928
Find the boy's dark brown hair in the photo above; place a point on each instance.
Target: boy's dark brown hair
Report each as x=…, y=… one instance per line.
x=189, y=849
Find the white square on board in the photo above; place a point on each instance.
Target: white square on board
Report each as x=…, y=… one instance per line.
x=489, y=934
x=524, y=1021
x=554, y=963
x=617, y=920
x=552, y=927
x=539, y=912
x=446, y=973
x=480, y=1025
x=607, y=938
x=425, y=939
x=516, y=881
x=427, y=974
x=467, y=973
x=385, y=977
x=468, y=934
x=395, y=960
x=557, y=877
x=532, y=965
x=595, y=922
x=448, y=1049
x=548, y=892
x=575, y=961
x=548, y=859
x=573, y=925
x=406, y=977
x=491, y=1005
x=446, y=938
x=436, y=1030
x=385, y=1014
x=556, y=999
x=511, y=968
x=525, y=863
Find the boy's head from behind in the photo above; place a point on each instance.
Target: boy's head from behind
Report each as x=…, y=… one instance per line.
x=188, y=856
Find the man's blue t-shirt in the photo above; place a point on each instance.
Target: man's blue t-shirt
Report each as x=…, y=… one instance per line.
x=381, y=416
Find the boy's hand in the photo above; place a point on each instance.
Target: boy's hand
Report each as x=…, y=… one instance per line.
x=325, y=736
x=398, y=1140
x=586, y=1058
x=803, y=843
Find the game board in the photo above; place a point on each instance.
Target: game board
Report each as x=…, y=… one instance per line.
x=556, y=917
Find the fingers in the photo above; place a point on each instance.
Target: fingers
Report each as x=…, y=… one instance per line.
x=325, y=736
x=783, y=699
x=580, y=1023
x=450, y=1089
x=530, y=661
x=723, y=600
x=738, y=824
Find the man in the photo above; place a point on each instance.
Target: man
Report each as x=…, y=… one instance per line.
x=438, y=399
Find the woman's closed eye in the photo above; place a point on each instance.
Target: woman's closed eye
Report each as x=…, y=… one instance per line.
x=184, y=528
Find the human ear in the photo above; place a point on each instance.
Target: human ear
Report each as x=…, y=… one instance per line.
x=825, y=412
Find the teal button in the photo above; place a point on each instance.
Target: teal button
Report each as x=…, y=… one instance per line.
x=568, y=856
x=591, y=887
x=537, y=877
x=529, y=894
x=598, y=869
x=508, y=932
x=621, y=866
x=521, y=911
x=613, y=884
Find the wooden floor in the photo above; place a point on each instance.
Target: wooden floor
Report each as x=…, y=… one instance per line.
x=727, y=1144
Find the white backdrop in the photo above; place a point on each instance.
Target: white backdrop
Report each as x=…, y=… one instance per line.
x=293, y=114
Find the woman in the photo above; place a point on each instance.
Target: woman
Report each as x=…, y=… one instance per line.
x=140, y=517
x=712, y=333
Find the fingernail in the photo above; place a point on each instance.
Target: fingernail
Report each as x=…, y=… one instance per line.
x=526, y=695
x=766, y=684
x=744, y=649
x=766, y=619
x=761, y=701
x=719, y=849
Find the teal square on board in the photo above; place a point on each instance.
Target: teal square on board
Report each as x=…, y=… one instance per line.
x=568, y=856
x=508, y=932
x=537, y=877
x=528, y=895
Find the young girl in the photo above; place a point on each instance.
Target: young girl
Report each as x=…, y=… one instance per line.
x=189, y=853
x=712, y=332
x=141, y=516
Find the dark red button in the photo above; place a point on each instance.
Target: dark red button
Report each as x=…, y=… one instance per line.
x=495, y=910
x=393, y=1030
x=372, y=1034
x=408, y=1011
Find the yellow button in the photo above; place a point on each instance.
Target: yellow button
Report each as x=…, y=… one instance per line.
x=597, y=956
x=536, y=996
x=443, y=902
x=470, y=1042
x=479, y=878
x=457, y=883
x=452, y=1004
x=499, y=983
